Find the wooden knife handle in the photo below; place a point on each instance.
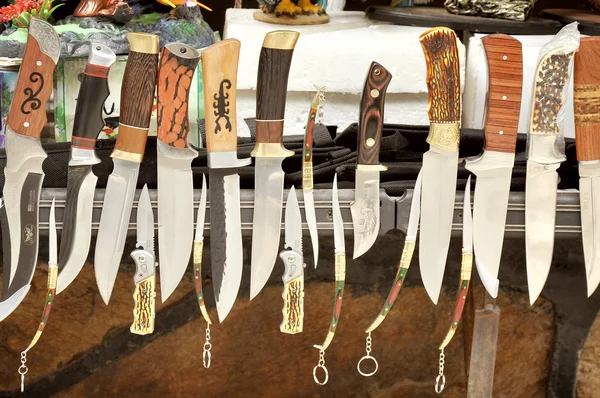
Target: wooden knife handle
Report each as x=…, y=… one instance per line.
x=27, y=115
x=219, y=77
x=443, y=74
x=88, y=122
x=587, y=99
x=370, y=123
x=137, y=96
x=178, y=63
x=505, y=70
x=271, y=87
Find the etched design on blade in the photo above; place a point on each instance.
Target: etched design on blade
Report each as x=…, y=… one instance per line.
x=365, y=211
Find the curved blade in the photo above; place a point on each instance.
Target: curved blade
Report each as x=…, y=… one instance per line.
x=540, y=217
x=77, y=225
x=114, y=221
x=52, y=245
x=266, y=226
x=338, y=222
x=437, y=208
x=365, y=210
x=311, y=221
x=467, y=236
x=11, y=303
x=589, y=193
x=201, y=213
x=415, y=210
x=293, y=222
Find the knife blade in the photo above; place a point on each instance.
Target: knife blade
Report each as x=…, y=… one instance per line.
x=178, y=63
x=493, y=167
x=144, y=295
x=293, y=276
x=543, y=159
x=219, y=77
x=365, y=208
x=137, y=97
x=81, y=182
x=440, y=163
x=273, y=70
x=24, y=158
x=587, y=128
x=307, y=174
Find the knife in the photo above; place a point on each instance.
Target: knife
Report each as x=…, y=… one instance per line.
x=24, y=158
x=219, y=78
x=137, y=97
x=178, y=63
x=143, y=257
x=493, y=167
x=543, y=159
x=440, y=163
x=273, y=70
x=365, y=208
x=81, y=182
x=293, y=276
x=307, y=173
x=587, y=129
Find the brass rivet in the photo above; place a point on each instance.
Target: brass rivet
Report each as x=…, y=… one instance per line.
x=501, y=132
x=504, y=97
x=26, y=124
x=374, y=93
x=505, y=57
x=376, y=72
x=39, y=63
x=370, y=142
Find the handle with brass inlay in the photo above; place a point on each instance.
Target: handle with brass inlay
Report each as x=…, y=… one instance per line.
x=293, y=292
x=144, y=295
x=137, y=96
x=587, y=99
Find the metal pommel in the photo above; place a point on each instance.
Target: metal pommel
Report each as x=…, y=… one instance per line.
x=101, y=55
x=182, y=50
x=46, y=37
x=224, y=160
x=143, y=43
x=281, y=40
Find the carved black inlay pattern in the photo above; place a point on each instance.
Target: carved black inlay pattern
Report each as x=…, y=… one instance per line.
x=221, y=106
x=32, y=101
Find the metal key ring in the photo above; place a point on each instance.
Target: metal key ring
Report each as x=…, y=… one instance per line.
x=206, y=357
x=440, y=387
x=374, y=361
x=315, y=375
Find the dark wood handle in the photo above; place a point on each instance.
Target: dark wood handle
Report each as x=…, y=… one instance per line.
x=178, y=63
x=27, y=115
x=505, y=75
x=219, y=78
x=271, y=87
x=370, y=123
x=587, y=99
x=307, y=151
x=443, y=74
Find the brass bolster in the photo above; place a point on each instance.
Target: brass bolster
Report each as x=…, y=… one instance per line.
x=407, y=254
x=198, y=247
x=466, y=266
x=131, y=143
x=143, y=43
x=445, y=136
x=307, y=175
x=270, y=150
x=281, y=39
x=340, y=266
x=52, y=276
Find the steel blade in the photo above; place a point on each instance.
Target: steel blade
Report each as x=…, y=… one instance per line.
x=540, y=216
x=415, y=210
x=114, y=221
x=77, y=224
x=493, y=171
x=175, y=215
x=311, y=221
x=201, y=213
x=437, y=207
x=225, y=222
x=293, y=222
x=467, y=235
x=266, y=226
x=365, y=210
x=338, y=222
x=589, y=193
x=52, y=245
x=145, y=221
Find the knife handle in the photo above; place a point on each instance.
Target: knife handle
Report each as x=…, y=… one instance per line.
x=371, y=114
x=178, y=63
x=293, y=292
x=505, y=71
x=587, y=99
x=27, y=115
x=144, y=295
x=137, y=96
x=219, y=78
x=88, y=122
x=271, y=87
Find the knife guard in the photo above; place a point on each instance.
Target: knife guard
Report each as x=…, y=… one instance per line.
x=144, y=295
x=178, y=63
x=370, y=123
x=443, y=83
x=505, y=83
x=587, y=99
x=27, y=115
x=137, y=96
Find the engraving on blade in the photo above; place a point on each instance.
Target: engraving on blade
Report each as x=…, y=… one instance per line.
x=225, y=238
x=77, y=225
x=114, y=221
x=175, y=220
x=365, y=211
x=311, y=220
x=540, y=216
x=437, y=208
x=266, y=228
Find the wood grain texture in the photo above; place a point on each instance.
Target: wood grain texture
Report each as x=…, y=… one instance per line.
x=370, y=123
x=137, y=89
x=131, y=140
x=219, y=77
x=443, y=74
x=269, y=131
x=307, y=151
x=177, y=66
x=505, y=75
x=587, y=99
x=88, y=121
x=27, y=115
